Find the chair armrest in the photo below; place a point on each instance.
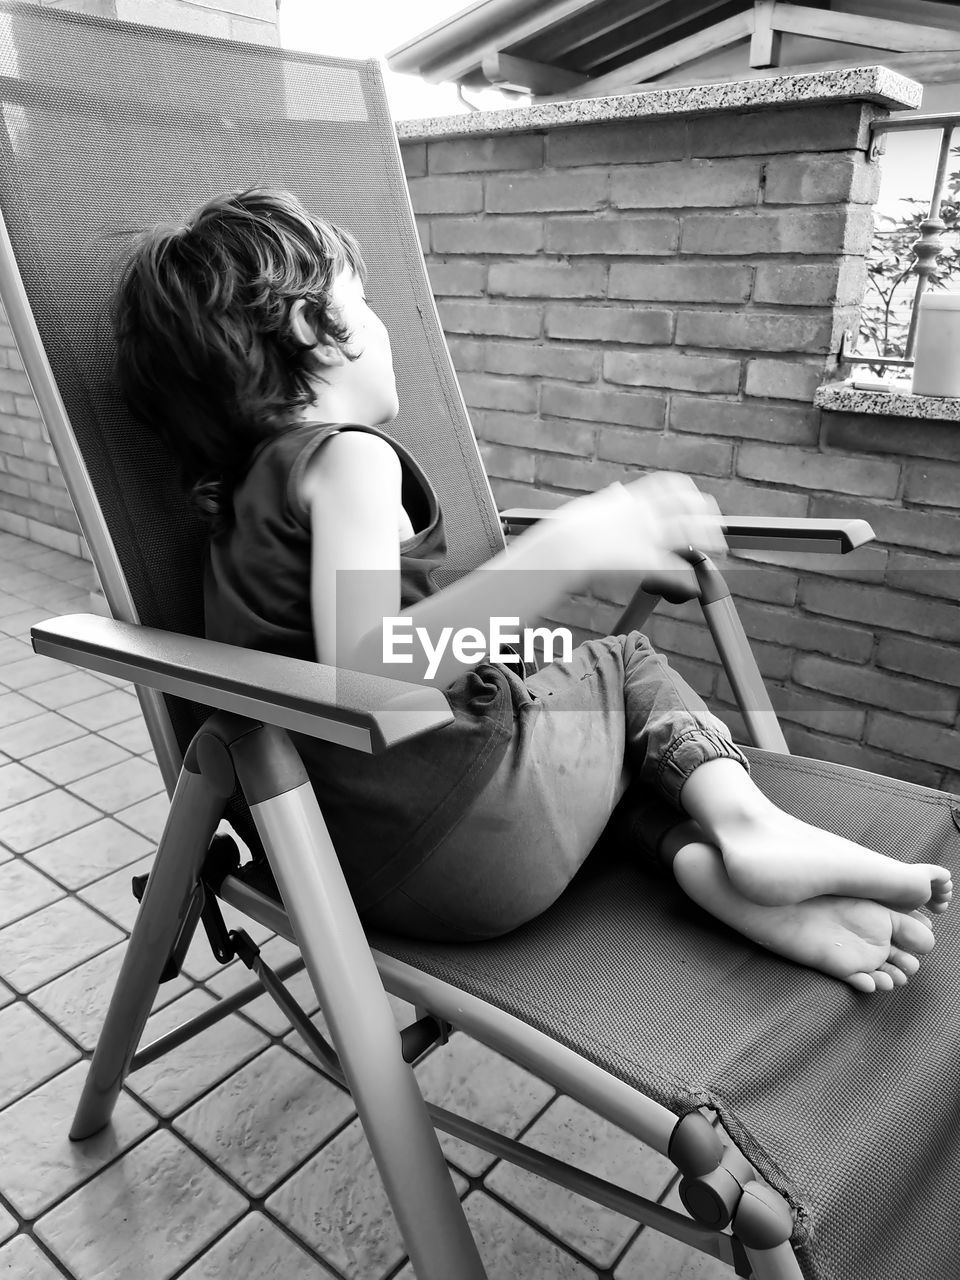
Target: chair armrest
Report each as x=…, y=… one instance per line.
x=749, y=533
x=367, y=713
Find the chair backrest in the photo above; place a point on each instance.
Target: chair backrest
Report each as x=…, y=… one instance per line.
x=109, y=127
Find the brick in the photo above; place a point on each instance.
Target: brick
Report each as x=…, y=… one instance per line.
x=925, y=530
x=27, y=470
x=494, y=318
x=817, y=713
x=485, y=391
x=740, y=498
x=608, y=236
x=461, y=279
x=916, y=738
x=819, y=747
x=609, y=324
x=479, y=155
x=26, y=407
x=820, y=232
x=692, y=639
x=40, y=451
x=874, y=434
x=833, y=127
x=806, y=633
x=627, y=142
x=14, y=486
x=875, y=688
x=669, y=368
x=921, y=658
x=536, y=360
x=446, y=195
x=680, y=282
x=929, y=576
x=658, y=452
x=772, y=662
x=541, y=192
x=881, y=608
x=838, y=283
x=467, y=354
x=550, y=434
x=581, y=475
x=687, y=183
x=823, y=471
x=754, y=330
x=820, y=179
x=776, y=423
x=423, y=235
x=486, y=235
x=15, y=381
x=508, y=462
x=932, y=484
x=783, y=379
x=11, y=446
x=414, y=157
x=866, y=565
x=631, y=408
x=547, y=279
x=768, y=586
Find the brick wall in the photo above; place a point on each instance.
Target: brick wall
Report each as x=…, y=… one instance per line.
x=33, y=499
x=669, y=294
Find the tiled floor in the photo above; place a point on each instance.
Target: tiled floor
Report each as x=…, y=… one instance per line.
x=231, y=1157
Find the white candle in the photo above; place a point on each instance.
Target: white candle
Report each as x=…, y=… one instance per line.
x=936, y=369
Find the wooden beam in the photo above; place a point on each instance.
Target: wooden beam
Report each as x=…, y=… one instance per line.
x=507, y=72
x=871, y=33
x=765, y=44
x=632, y=74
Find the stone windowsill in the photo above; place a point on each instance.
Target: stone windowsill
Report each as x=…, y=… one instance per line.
x=898, y=402
x=875, y=84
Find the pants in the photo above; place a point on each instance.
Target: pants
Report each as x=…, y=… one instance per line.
x=615, y=723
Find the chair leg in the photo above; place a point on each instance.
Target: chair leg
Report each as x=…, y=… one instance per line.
x=351, y=995
x=195, y=810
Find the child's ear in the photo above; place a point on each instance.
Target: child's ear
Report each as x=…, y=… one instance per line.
x=321, y=345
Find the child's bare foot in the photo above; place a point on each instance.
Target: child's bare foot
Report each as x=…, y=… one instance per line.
x=775, y=859
x=869, y=946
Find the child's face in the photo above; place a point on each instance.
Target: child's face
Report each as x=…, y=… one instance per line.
x=368, y=379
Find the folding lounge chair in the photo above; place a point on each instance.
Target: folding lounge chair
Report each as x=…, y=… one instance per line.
x=839, y=1106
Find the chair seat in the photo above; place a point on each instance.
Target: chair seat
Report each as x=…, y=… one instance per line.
x=842, y=1101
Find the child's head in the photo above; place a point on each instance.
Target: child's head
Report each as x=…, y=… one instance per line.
x=210, y=336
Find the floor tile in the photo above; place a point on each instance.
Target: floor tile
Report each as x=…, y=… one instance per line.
x=131, y=734
x=337, y=1205
x=255, y=1247
x=103, y=710
x=21, y=1259
x=572, y=1133
x=113, y=895
x=201, y=963
x=120, y=785
x=96, y=850
x=40, y=1164
x=77, y=759
x=18, y=784
x=511, y=1248
x=51, y=941
x=19, y=624
x=15, y=651
x=11, y=603
x=267, y=1014
x=147, y=816
x=32, y=1052
x=183, y=1074
x=14, y=707
x=23, y=671
x=8, y=1227
x=6, y=995
x=467, y=1077
x=24, y=890
x=266, y=1119
x=38, y=821
x=48, y=729
x=654, y=1254
x=77, y=1002
x=146, y=1215
x=62, y=690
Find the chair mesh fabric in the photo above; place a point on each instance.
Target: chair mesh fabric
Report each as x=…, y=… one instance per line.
x=110, y=128
x=846, y=1103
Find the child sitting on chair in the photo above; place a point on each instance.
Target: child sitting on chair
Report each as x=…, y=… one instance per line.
x=245, y=338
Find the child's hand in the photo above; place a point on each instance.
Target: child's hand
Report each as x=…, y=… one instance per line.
x=642, y=526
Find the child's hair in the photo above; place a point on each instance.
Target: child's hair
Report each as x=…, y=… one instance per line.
x=205, y=352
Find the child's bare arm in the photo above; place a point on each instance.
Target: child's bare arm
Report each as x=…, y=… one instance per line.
x=353, y=496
